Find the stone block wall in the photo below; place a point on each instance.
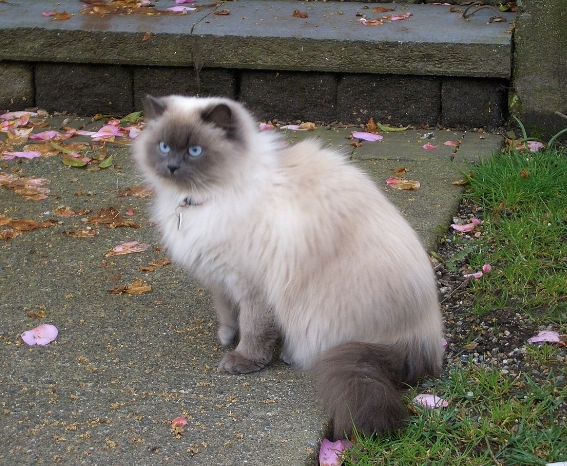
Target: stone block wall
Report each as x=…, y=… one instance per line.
x=288, y=95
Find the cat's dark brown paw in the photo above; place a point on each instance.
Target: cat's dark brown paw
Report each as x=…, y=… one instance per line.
x=235, y=363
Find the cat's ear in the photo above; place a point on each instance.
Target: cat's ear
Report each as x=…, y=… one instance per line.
x=220, y=115
x=153, y=106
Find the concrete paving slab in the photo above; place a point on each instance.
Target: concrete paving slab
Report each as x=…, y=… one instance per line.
x=123, y=366
x=260, y=34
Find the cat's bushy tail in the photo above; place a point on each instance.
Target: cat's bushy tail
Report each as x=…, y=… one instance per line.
x=359, y=384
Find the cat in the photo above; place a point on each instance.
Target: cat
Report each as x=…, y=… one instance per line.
x=295, y=244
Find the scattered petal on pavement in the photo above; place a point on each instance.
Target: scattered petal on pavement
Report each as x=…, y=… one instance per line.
x=41, y=335
x=331, y=453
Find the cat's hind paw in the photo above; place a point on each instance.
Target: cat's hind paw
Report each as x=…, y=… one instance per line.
x=236, y=363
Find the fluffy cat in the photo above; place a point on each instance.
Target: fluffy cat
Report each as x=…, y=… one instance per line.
x=296, y=244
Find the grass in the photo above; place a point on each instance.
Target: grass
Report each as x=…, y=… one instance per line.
x=524, y=200
x=493, y=417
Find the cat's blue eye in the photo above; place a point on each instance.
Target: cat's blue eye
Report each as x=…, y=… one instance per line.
x=163, y=147
x=195, y=151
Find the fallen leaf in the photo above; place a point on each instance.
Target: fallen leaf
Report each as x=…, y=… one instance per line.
x=9, y=233
x=525, y=173
x=430, y=401
x=398, y=17
x=403, y=184
x=41, y=335
x=64, y=212
x=460, y=182
x=307, y=126
x=223, y=12
x=389, y=129
x=62, y=16
x=399, y=171
x=74, y=160
x=129, y=247
x=106, y=163
x=371, y=22
x=331, y=453
x=299, y=14
x=111, y=218
x=470, y=346
x=136, y=191
x=137, y=287
x=382, y=9
x=82, y=233
x=28, y=225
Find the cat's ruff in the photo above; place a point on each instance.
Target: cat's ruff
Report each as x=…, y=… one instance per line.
x=342, y=279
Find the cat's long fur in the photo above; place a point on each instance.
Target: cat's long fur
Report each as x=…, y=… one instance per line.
x=294, y=242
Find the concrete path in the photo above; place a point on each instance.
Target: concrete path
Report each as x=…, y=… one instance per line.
x=123, y=366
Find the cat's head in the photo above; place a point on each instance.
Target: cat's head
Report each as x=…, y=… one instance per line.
x=197, y=145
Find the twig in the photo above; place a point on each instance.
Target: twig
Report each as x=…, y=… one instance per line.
x=559, y=114
x=498, y=463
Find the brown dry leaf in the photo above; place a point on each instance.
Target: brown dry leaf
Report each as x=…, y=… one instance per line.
x=224, y=12
x=62, y=16
x=45, y=148
x=28, y=187
x=9, y=233
x=403, y=184
x=128, y=247
x=64, y=211
x=382, y=9
x=136, y=191
x=309, y=126
x=147, y=36
x=371, y=126
x=137, y=287
x=111, y=218
x=29, y=225
x=460, y=182
x=399, y=171
x=525, y=173
x=147, y=268
x=82, y=233
x=160, y=262
x=470, y=346
x=4, y=220
x=299, y=14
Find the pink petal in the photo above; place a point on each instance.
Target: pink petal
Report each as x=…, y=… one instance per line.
x=265, y=127
x=29, y=154
x=430, y=401
x=466, y=227
x=545, y=336
x=133, y=131
x=16, y=115
x=181, y=2
x=293, y=127
x=108, y=131
x=181, y=9
x=179, y=422
x=41, y=335
x=331, y=452
x=450, y=143
x=48, y=14
x=486, y=268
x=429, y=146
x=367, y=136
x=44, y=136
x=476, y=275
x=535, y=146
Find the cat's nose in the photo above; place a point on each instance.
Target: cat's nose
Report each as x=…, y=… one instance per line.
x=173, y=167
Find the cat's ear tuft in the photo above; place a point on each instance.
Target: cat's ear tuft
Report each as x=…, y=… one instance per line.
x=220, y=115
x=153, y=106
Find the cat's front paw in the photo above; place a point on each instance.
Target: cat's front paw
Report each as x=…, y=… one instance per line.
x=236, y=363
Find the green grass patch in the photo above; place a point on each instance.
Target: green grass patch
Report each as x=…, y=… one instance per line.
x=524, y=200
x=492, y=418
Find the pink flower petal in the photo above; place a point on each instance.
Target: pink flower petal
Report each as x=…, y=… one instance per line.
x=45, y=135
x=535, y=146
x=16, y=115
x=179, y=422
x=41, y=335
x=367, y=136
x=331, y=452
x=466, y=227
x=429, y=146
x=180, y=9
x=486, y=268
x=548, y=336
x=450, y=143
x=133, y=131
x=108, y=131
x=182, y=2
x=29, y=154
x=48, y=14
x=475, y=275
x=293, y=127
x=430, y=401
